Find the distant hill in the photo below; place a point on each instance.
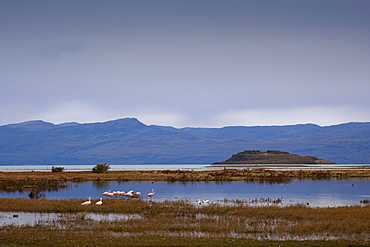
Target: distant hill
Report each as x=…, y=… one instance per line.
x=128, y=141
x=272, y=157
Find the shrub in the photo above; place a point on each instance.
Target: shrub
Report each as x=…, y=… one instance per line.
x=57, y=169
x=100, y=168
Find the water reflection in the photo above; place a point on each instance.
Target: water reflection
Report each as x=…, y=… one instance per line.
x=328, y=193
x=23, y=218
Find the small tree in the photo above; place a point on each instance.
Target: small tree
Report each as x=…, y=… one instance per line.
x=100, y=168
x=57, y=169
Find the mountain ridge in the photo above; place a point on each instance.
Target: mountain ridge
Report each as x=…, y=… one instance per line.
x=129, y=141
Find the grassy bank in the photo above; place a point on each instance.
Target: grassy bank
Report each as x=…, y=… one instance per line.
x=179, y=175
x=181, y=223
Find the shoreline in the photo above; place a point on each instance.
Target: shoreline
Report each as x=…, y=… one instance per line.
x=38, y=177
x=186, y=167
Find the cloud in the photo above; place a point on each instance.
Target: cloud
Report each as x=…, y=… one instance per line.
x=321, y=115
x=75, y=111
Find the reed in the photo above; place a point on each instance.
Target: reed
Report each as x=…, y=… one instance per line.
x=173, y=223
x=56, y=178
x=40, y=237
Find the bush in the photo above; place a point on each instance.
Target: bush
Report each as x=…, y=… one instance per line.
x=57, y=169
x=100, y=168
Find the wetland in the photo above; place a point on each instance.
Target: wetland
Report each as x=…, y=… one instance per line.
x=168, y=221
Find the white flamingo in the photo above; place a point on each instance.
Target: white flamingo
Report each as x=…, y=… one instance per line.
x=100, y=202
x=87, y=202
x=130, y=193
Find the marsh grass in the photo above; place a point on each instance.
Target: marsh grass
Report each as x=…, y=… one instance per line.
x=184, y=220
x=252, y=175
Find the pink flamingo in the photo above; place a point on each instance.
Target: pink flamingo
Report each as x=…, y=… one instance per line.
x=151, y=194
x=122, y=193
x=136, y=194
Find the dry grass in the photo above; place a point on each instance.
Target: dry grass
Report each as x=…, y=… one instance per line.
x=179, y=223
x=179, y=175
x=182, y=219
x=39, y=237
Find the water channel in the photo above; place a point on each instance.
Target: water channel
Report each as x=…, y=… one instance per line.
x=317, y=193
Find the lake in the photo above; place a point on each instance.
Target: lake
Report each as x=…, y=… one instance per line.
x=320, y=193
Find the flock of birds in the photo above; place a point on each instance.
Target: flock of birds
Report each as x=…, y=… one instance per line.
x=130, y=194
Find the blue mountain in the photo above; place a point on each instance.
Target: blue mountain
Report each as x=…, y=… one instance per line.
x=128, y=141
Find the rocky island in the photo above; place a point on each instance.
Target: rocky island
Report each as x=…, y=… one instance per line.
x=272, y=157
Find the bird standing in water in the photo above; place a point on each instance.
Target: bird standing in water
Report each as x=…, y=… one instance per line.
x=151, y=194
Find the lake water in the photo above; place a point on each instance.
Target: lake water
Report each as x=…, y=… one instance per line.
x=321, y=193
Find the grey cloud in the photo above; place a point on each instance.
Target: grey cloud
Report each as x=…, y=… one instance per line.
x=191, y=62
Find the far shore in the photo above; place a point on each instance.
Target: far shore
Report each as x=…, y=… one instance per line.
x=222, y=174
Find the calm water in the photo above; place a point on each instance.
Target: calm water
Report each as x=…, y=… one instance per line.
x=323, y=193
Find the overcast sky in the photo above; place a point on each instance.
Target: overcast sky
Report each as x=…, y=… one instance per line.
x=201, y=63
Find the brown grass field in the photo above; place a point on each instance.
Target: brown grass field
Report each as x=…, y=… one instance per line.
x=180, y=175
x=181, y=223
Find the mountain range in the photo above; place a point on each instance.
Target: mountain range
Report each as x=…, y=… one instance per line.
x=129, y=141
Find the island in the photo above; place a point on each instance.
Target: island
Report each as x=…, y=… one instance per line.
x=271, y=157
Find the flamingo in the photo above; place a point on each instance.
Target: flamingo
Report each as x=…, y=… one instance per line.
x=122, y=193
x=136, y=194
x=100, y=202
x=130, y=193
x=106, y=193
x=87, y=202
x=151, y=194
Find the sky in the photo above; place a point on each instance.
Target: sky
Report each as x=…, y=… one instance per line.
x=185, y=63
